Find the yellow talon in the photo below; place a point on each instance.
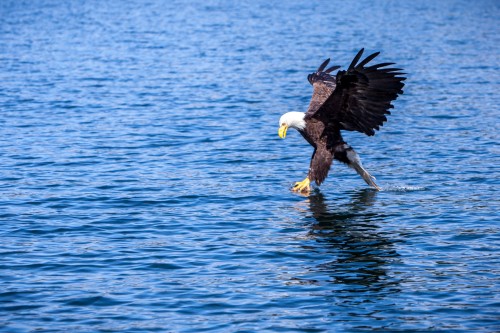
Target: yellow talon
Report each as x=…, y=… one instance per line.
x=302, y=186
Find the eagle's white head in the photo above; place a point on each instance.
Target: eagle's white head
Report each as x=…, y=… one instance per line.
x=293, y=120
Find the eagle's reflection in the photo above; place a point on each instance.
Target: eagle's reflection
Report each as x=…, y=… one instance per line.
x=351, y=235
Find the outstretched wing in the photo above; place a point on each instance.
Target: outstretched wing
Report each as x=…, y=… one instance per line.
x=323, y=84
x=357, y=99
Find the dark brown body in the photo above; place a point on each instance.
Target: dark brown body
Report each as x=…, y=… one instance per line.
x=327, y=147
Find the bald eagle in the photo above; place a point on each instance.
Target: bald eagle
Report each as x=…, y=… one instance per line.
x=356, y=99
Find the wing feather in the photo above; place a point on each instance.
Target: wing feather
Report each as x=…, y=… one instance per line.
x=367, y=60
x=323, y=65
x=357, y=99
x=331, y=69
x=356, y=59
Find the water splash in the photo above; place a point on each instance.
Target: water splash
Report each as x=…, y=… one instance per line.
x=403, y=188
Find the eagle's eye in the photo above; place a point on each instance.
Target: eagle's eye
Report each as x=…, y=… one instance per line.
x=283, y=124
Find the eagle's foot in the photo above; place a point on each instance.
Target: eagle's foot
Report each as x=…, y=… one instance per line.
x=303, y=186
x=370, y=180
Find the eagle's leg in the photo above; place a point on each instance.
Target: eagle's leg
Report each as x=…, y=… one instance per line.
x=355, y=162
x=344, y=153
x=303, y=186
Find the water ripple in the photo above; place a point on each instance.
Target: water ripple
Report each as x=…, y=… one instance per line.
x=143, y=186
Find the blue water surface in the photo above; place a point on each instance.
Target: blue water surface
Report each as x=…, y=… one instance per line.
x=143, y=186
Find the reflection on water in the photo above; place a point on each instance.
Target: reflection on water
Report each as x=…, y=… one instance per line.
x=361, y=252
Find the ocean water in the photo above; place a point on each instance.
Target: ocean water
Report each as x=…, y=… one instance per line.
x=143, y=186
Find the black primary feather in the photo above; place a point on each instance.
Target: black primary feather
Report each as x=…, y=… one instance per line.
x=356, y=59
x=323, y=65
x=331, y=69
x=367, y=60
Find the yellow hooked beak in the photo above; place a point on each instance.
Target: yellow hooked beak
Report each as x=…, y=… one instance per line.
x=282, y=131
